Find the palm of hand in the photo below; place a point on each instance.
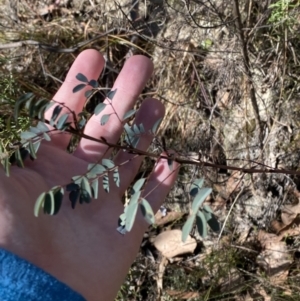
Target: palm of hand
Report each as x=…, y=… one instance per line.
x=79, y=247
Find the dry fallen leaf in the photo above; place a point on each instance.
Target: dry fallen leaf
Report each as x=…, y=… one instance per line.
x=289, y=213
x=170, y=245
x=274, y=259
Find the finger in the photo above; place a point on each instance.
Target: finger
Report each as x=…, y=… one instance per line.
x=150, y=111
x=129, y=84
x=90, y=63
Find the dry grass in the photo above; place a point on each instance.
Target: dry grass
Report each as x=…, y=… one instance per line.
x=200, y=76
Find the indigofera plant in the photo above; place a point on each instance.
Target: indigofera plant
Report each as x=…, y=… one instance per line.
x=84, y=188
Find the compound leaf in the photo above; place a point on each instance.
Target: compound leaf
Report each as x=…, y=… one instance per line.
x=147, y=212
x=99, y=108
x=130, y=215
x=82, y=78
x=201, y=224
x=199, y=198
x=39, y=204
x=187, y=227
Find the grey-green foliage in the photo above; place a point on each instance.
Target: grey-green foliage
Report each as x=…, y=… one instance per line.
x=203, y=214
x=84, y=188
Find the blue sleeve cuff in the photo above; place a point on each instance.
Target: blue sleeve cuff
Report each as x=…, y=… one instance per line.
x=22, y=281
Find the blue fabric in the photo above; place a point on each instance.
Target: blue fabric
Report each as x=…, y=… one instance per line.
x=22, y=281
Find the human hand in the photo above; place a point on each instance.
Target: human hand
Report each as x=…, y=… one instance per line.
x=81, y=247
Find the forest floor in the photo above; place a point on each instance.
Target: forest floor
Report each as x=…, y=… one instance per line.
x=228, y=73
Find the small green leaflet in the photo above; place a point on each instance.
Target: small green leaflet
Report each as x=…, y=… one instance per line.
x=93, y=83
x=105, y=182
x=95, y=170
x=116, y=177
x=108, y=163
x=196, y=185
x=99, y=108
x=138, y=185
x=128, y=114
x=170, y=164
x=27, y=135
x=88, y=93
x=6, y=165
x=32, y=150
x=85, y=186
x=130, y=215
x=73, y=197
x=135, y=197
x=85, y=197
x=187, y=227
x=56, y=112
x=147, y=211
x=20, y=103
x=78, y=88
x=207, y=212
x=61, y=121
x=82, y=78
x=46, y=137
x=49, y=203
x=77, y=179
x=72, y=186
x=94, y=187
x=201, y=224
x=58, y=198
x=199, y=198
x=111, y=94
x=104, y=119
x=39, y=204
x=156, y=126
